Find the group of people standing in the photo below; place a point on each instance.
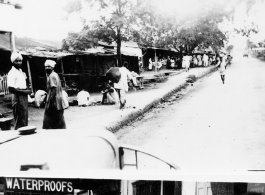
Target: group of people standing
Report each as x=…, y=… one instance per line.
x=186, y=61
x=55, y=103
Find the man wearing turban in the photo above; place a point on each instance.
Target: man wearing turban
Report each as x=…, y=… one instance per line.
x=16, y=82
x=55, y=103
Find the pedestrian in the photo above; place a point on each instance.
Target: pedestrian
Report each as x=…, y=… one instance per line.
x=186, y=62
x=150, y=64
x=195, y=61
x=222, y=67
x=205, y=60
x=168, y=62
x=55, y=103
x=122, y=86
x=172, y=63
x=16, y=82
x=199, y=57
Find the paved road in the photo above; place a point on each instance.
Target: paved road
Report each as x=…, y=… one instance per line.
x=216, y=127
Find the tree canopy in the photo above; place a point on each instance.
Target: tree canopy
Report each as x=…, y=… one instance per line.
x=144, y=22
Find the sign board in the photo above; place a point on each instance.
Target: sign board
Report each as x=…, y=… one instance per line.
x=258, y=188
x=14, y=185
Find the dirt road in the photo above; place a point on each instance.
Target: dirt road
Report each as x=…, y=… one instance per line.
x=214, y=127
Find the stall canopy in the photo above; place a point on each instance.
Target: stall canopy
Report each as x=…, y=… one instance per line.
x=127, y=48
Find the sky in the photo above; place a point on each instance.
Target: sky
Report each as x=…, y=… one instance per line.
x=46, y=19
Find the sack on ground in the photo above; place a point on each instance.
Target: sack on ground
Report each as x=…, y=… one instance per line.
x=113, y=74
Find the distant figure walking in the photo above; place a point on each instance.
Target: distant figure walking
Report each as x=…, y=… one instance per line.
x=186, y=62
x=205, y=60
x=199, y=57
x=122, y=86
x=222, y=67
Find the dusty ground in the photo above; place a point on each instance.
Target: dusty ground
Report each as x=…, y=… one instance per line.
x=78, y=117
x=215, y=127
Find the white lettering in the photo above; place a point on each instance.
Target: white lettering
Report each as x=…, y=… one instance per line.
x=9, y=182
x=16, y=184
x=52, y=185
x=47, y=185
x=70, y=187
x=41, y=183
x=28, y=182
x=58, y=186
x=22, y=182
x=63, y=185
x=34, y=184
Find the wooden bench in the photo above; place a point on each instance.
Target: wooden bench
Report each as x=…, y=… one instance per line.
x=5, y=123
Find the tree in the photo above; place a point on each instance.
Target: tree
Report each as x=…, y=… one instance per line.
x=115, y=22
x=197, y=29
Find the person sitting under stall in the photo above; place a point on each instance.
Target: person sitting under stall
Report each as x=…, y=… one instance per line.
x=110, y=96
x=83, y=97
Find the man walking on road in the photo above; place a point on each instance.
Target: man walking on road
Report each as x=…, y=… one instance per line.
x=122, y=86
x=222, y=67
x=16, y=82
x=55, y=103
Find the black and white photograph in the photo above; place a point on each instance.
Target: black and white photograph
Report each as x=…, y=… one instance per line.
x=131, y=87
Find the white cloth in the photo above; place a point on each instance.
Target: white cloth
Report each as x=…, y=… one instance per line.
x=16, y=78
x=199, y=57
x=205, y=59
x=112, y=97
x=222, y=67
x=50, y=63
x=172, y=63
x=14, y=56
x=30, y=100
x=186, y=62
x=65, y=98
x=82, y=98
x=150, y=64
x=40, y=97
x=159, y=64
x=123, y=83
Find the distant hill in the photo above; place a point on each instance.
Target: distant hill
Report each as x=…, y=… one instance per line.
x=23, y=43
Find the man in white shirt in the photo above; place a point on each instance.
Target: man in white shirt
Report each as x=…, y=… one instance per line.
x=122, y=86
x=83, y=97
x=205, y=60
x=16, y=82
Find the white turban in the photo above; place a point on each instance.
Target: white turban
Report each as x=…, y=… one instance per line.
x=50, y=63
x=15, y=55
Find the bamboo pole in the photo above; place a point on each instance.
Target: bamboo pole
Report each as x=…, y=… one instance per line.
x=155, y=62
x=12, y=42
x=30, y=78
x=63, y=73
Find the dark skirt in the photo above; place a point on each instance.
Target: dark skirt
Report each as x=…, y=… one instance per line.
x=20, y=111
x=54, y=119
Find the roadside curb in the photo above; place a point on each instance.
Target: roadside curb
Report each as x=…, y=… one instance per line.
x=135, y=114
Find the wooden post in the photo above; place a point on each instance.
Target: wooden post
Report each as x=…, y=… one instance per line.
x=155, y=62
x=161, y=192
x=82, y=64
x=12, y=42
x=63, y=73
x=30, y=78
